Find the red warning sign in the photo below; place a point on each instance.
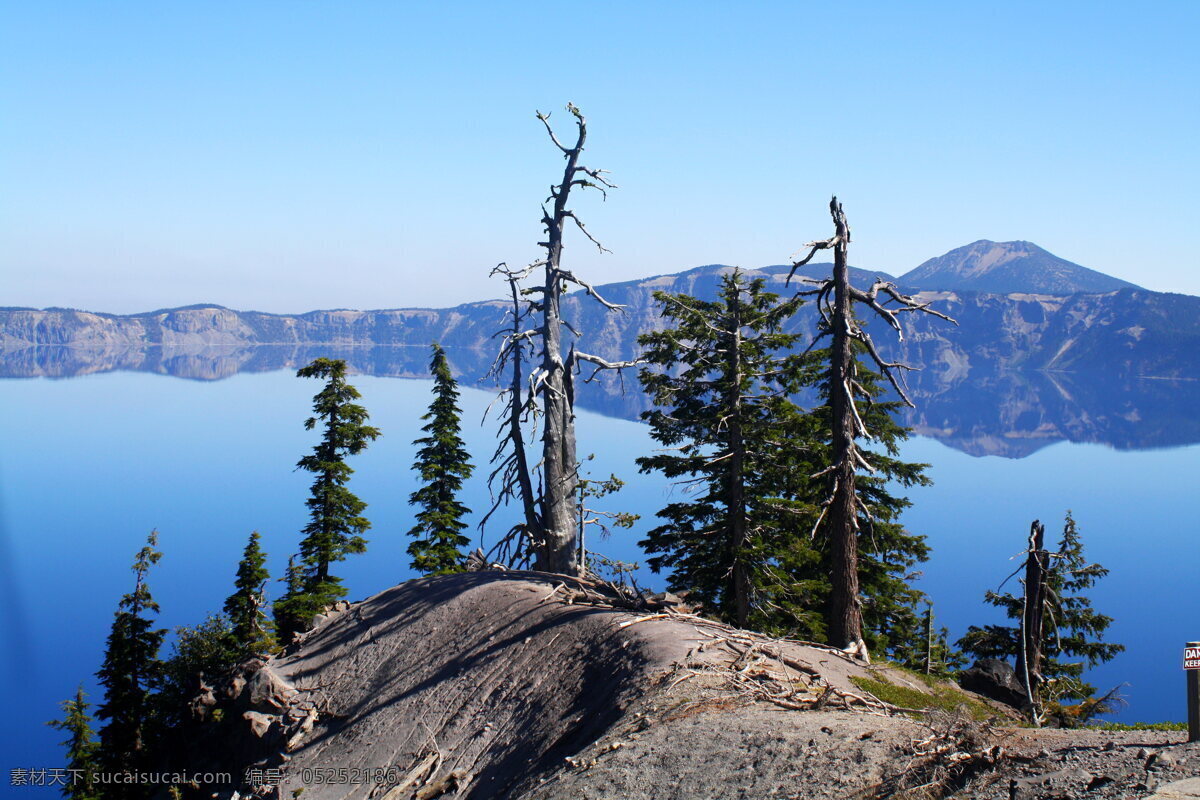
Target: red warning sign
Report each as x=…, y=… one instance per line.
x=1191, y=658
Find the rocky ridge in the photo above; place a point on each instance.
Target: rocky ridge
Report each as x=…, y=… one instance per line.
x=523, y=685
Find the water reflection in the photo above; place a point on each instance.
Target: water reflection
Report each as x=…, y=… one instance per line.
x=1014, y=414
x=992, y=411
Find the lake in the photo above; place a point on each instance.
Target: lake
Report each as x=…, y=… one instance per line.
x=92, y=463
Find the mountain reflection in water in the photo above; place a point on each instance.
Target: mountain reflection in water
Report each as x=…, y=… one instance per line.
x=980, y=411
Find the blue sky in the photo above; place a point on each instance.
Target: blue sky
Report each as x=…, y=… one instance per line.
x=289, y=156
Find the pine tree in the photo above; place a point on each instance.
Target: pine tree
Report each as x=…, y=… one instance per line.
x=295, y=606
x=442, y=464
x=750, y=543
x=336, y=525
x=131, y=670
x=845, y=507
x=723, y=411
x=930, y=652
x=246, y=607
x=81, y=747
x=1080, y=628
x=588, y=516
x=887, y=552
x=1071, y=642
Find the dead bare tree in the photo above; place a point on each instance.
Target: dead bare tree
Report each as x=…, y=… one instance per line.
x=842, y=508
x=556, y=551
x=550, y=520
x=512, y=477
x=1033, y=618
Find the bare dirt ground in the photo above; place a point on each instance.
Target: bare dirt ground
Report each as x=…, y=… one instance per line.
x=531, y=687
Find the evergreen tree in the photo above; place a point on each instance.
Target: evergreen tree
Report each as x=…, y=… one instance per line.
x=749, y=543
x=130, y=671
x=295, y=606
x=1071, y=642
x=931, y=652
x=203, y=652
x=589, y=516
x=246, y=607
x=81, y=748
x=442, y=464
x=723, y=411
x=336, y=525
x=844, y=506
x=887, y=552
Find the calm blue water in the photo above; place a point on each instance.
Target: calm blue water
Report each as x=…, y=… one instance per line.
x=90, y=464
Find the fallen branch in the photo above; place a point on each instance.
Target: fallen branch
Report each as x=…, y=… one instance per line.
x=629, y=622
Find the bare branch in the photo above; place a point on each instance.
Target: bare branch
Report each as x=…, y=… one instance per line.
x=570, y=276
x=824, y=244
x=510, y=274
x=545, y=118
x=887, y=368
x=598, y=176
x=858, y=423
x=579, y=224
x=601, y=364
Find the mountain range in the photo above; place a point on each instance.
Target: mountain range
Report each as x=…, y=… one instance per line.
x=1020, y=311
x=1088, y=321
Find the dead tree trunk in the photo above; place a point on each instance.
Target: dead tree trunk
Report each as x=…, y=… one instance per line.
x=1033, y=617
x=845, y=607
x=556, y=550
x=533, y=523
x=550, y=518
x=842, y=508
x=554, y=383
x=929, y=639
x=512, y=471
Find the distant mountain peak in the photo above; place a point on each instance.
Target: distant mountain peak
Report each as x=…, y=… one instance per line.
x=1007, y=268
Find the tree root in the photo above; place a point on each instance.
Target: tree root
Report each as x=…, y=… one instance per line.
x=957, y=751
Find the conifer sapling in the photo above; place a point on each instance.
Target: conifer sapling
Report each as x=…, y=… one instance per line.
x=80, y=746
x=442, y=465
x=246, y=607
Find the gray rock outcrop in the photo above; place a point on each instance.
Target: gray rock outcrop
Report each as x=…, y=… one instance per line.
x=994, y=679
x=525, y=686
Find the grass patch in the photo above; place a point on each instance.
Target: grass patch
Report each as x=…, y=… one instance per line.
x=940, y=696
x=932, y=681
x=1140, y=726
